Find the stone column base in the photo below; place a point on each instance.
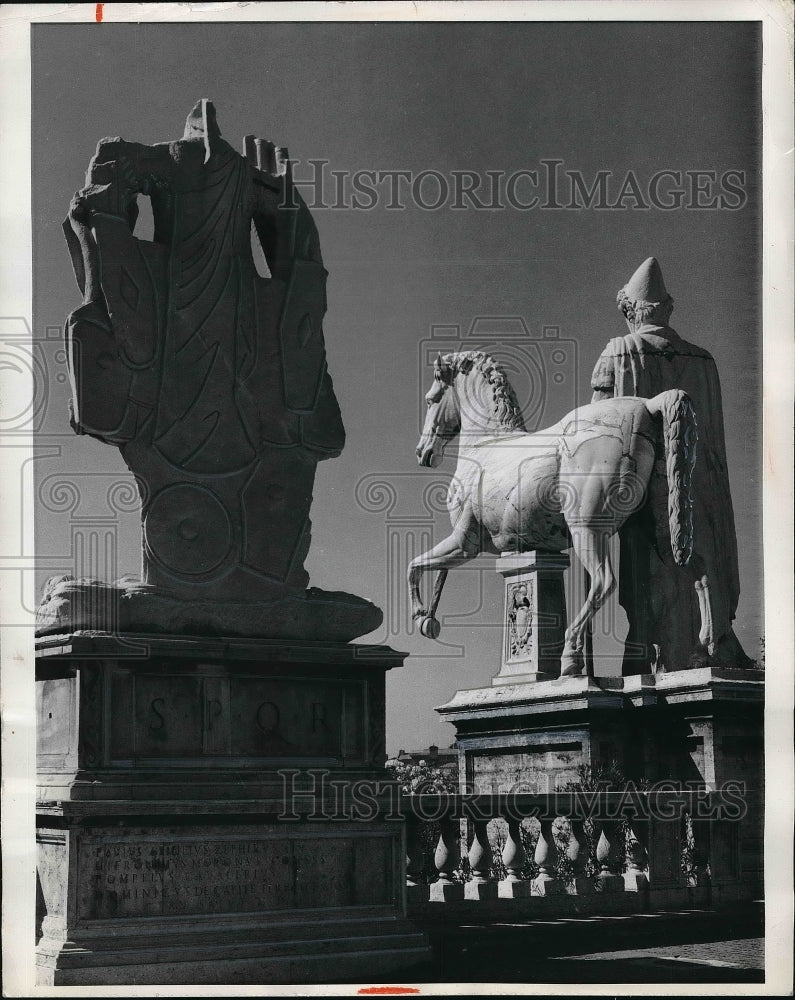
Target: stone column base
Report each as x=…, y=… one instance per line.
x=446, y=892
x=480, y=890
x=635, y=882
x=611, y=883
x=507, y=889
x=546, y=886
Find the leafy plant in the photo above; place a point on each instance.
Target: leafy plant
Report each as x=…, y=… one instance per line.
x=416, y=779
x=422, y=777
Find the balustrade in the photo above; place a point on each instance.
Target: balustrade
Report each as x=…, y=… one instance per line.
x=605, y=847
x=546, y=857
x=637, y=855
x=577, y=857
x=514, y=886
x=701, y=851
x=447, y=859
x=480, y=885
x=415, y=855
x=610, y=856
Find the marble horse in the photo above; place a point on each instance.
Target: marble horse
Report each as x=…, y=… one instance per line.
x=572, y=485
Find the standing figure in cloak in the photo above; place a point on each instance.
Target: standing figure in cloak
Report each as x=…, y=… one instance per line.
x=658, y=596
x=207, y=375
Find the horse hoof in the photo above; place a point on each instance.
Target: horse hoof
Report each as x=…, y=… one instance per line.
x=571, y=665
x=430, y=628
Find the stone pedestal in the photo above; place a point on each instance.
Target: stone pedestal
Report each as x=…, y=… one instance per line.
x=215, y=811
x=534, y=735
x=706, y=727
x=480, y=890
x=445, y=892
x=535, y=616
x=691, y=729
x=513, y=889
x=703, y=726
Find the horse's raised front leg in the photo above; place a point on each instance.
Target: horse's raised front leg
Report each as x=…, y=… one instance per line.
x=593, y=550
x=455, y=550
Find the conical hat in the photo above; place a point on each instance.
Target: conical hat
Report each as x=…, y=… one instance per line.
x=201, y=124
x=646, y=285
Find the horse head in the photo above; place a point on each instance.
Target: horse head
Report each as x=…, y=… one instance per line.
x=443, y=419
x=470, y=396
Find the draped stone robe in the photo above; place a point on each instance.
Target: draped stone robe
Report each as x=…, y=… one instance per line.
x=210, y=379
x=658, y=596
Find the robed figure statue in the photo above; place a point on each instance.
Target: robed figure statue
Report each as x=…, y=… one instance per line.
x=209, y=377
x=658, y=596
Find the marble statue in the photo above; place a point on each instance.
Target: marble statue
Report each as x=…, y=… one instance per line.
x=210, y=379
x=572, y=485
x=662, y=609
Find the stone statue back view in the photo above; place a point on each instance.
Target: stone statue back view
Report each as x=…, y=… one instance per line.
x=660, y=604
x=209, y=378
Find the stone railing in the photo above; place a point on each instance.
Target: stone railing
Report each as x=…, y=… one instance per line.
x=594, y=851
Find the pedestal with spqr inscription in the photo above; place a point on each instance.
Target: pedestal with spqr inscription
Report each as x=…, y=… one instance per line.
x=216, y=811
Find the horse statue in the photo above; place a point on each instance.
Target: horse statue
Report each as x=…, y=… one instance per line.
x=572, y=485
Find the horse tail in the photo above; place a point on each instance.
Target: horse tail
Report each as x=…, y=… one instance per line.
x=680, y=434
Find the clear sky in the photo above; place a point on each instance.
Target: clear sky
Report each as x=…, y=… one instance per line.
x=623, y=98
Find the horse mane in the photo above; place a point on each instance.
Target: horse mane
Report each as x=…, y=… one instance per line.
x=505, y=403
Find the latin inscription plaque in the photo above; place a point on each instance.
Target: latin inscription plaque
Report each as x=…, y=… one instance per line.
x=168, y=873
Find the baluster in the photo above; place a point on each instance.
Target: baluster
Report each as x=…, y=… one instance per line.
x=577, y=853
x=610, y=857
x=513, y=886
x=513, y=854
x=446, y=860
x=701, y=850
x=416, y=886
x=635, y=879
x=546, y=857
x=448, y=849
x=480, y=886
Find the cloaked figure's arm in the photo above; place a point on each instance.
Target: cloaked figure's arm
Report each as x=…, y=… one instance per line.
x=291, y=244
x=603, y=377
x=284, y=225
x=114, y=337
x=118, y=172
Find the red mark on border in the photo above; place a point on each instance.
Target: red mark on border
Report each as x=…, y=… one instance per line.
x=387, y=990
x=99, y=12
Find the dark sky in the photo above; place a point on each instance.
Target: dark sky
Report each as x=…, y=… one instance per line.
x=639, y=98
